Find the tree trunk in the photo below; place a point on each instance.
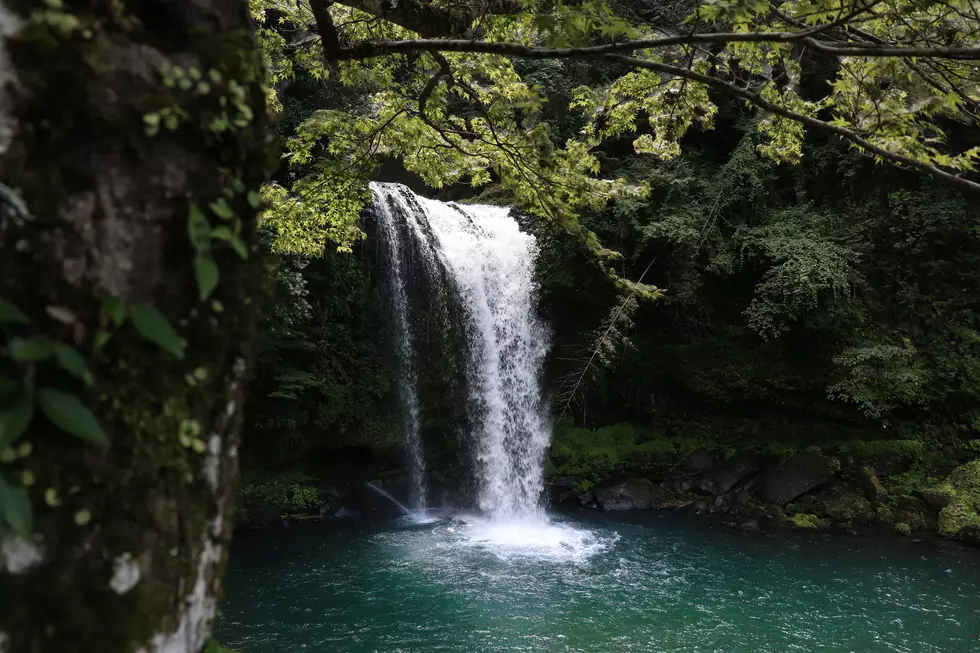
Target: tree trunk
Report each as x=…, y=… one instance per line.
x=105, y=148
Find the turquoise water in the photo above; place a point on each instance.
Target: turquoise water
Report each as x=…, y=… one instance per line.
x=643, y=582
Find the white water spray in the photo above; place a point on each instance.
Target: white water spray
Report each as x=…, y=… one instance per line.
x=407, y=383
x=491, y=263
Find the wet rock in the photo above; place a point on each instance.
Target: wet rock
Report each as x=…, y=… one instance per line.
x=750, y=526
x=347, y=513
x=587, y=500
x=701, y=506
x=743, y=496
x=782, y=482
x=633, y=494
x=889, y=464
x=721, y=478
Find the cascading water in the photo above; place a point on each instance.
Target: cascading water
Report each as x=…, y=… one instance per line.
x=491, y=263
x=388, y=229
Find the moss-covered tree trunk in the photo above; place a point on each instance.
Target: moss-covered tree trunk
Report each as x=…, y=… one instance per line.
x=117, y=118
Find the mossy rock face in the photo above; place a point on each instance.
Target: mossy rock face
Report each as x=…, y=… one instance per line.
x=841, y=505
x=903, y=529
x=869, y=483
x=961, y=517
x=808, y=521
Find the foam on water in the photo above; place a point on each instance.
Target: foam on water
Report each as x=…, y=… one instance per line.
x=530, y=538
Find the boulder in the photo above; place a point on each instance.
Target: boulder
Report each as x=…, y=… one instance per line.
x=587, y=500
x=869, y=483
x=633, y=494
x=936, y=499
x=889, y=464
x=721, y=478
x=750, y=526
x=782, y=482
x=699, y=461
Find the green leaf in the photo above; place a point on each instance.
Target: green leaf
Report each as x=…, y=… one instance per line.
x=238, y=245
x=7, y=387
x=16, y=507
x=222, y=209
x=10, y=314
x=72, y=361
x=15, y=418
x=227, y=235
x=198, y=228
x=115, y=308
x=222, y=232
x=34, y=349
x=254, y=199
x=101, y=338
x=206, y=271
x=152, y=325
x=69, y=414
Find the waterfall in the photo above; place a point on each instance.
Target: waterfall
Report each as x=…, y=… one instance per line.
x=490, y=262
x=395, y=267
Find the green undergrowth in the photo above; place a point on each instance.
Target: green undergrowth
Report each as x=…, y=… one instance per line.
x=290, y=490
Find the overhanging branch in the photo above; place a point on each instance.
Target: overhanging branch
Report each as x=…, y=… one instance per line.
x=430, y=19
x=613, y=53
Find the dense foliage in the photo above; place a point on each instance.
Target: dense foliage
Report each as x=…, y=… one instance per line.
x=719, y=278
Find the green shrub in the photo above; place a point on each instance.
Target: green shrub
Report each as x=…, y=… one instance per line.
x=903, y=528
x=289, y=490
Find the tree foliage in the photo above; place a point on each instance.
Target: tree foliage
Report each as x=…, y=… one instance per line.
x=438, y=86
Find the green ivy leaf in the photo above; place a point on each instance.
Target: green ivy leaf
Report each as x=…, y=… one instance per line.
x=227, y=235
x=16, y=507
x=69, y=414
x=34, y=349
x=238, y=245
x=15, y=418
x=206, y=271
x=221, y=232
x=152, y=325
x=222, y=209
x=115, y=308
x=10, y=314
x=72, y=361
x=198, y=228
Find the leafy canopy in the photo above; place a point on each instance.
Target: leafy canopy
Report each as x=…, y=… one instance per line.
x=434, y=85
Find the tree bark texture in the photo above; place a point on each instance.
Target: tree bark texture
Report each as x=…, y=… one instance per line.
x=103, y=151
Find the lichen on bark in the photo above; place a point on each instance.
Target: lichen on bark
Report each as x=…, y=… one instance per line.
x=109, y=204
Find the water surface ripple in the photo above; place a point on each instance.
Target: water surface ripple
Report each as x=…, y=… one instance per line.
x=645, y=583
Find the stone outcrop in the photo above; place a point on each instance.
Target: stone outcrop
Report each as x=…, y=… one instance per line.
x=723, y=477
x=788, y=479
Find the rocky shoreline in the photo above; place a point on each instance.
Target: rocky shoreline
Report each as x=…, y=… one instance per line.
x=808, y=490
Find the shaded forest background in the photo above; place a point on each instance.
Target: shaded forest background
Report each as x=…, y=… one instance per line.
x=825, y=304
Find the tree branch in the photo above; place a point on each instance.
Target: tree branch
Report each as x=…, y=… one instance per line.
x=430, y=19
x=381, y=48
x=819, y=125
x=610, y=53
